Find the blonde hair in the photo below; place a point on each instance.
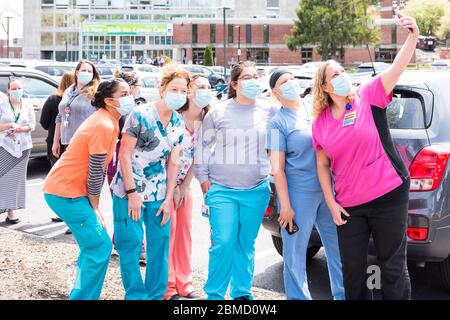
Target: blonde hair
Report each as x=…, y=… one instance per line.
x=173, y=71
x=67, y=80
x=321, y=99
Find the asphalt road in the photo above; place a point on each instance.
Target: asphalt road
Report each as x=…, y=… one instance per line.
x=35, y=219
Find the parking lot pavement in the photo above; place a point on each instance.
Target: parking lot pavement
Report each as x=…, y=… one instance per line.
x=36, y=220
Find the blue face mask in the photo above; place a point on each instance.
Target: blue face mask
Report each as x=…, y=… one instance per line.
x=174, y=101
x=342, y=85
x=290, y=90
x=16, y=94
x=251, y=88
x=202, y=98
x=85, y=77
x=126, y=105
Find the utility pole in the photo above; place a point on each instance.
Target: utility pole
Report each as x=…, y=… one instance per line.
x=225, y=42
x=7, y=32
x=239, y=43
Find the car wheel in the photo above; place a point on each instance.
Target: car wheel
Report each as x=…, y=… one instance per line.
x=278, y=244
x=312, y=251
x=444, y=274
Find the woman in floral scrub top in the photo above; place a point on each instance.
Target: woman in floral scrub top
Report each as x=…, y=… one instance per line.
x=144, y=186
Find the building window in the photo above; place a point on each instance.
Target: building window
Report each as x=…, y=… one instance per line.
x=61, y=21
x=231, y=33
x=248, y=33
x=307, y=55
x=271, y=4
x=394, y=34
x=385, y=54
x=194, y=33
x=140, y=40
x=213, y=30
x=258, y=55
x=47, y=20
x=266, y=33
x=46, y=39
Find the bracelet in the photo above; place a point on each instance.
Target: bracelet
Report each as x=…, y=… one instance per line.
x=130, y=191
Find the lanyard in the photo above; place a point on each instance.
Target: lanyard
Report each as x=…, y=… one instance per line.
x=16, y=116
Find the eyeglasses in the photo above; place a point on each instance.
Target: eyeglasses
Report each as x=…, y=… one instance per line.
x=249, y=77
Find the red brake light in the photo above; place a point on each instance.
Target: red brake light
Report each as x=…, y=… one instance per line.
x=428, y=168
x=268, y=212
x=418, y=234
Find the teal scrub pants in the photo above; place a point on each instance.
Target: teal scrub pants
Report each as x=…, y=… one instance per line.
x=235, y=219
x=93, y=240
x=128, y=235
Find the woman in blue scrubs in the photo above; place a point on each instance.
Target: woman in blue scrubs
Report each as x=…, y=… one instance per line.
x=289, y=142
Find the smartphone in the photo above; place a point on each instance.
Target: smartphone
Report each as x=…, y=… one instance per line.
x=205, y=211
x=294, y=228
x=344, y=217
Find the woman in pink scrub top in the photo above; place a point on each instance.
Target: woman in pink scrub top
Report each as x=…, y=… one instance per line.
x=370, y=181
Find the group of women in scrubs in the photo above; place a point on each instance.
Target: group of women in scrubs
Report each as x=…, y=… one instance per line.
x=334, y=168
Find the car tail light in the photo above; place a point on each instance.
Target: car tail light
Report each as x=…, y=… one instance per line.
x=268, y=212
x=418, y=227
x=428, y=168
x=418, y=234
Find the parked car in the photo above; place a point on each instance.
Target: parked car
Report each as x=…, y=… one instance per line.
x=37, y=86
x=368, y=67
x=106, y=71
x=146, y=68
x=54, y=69
x=219, y=70
x=441, y=64
x=214, y=78
x=418, y=118
x=150, y=88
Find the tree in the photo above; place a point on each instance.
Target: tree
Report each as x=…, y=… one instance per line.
x=429, y=14
x=444, y=30
x=209, y=58
x=331, y=25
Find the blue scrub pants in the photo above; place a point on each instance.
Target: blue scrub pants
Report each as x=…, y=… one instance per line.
x=93, y=240
x=128, y=235
x=310, y=210
x=235, y=219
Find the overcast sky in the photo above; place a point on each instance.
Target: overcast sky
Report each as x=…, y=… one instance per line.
x=15, y=9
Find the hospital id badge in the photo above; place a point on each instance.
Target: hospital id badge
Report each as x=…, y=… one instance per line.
x=205, y=210
x=349, y=119
x=66, y=124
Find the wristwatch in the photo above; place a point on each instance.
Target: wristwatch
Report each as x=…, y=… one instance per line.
x=130, y=191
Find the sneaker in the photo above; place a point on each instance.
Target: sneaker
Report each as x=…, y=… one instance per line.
x=143, y=258
x=12, y=221
x=192, y=296
x=174, y=297
x=242, y=298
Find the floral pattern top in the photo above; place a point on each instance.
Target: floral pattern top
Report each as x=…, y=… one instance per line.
x=153, y=146
x=187, y=154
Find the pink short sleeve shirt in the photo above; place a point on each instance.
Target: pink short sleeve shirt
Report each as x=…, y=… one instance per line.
x=361, y=167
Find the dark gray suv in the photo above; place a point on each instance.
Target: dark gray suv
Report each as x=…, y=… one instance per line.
x=37, y=86
x=419, y=119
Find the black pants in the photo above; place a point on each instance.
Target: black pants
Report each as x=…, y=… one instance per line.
x=386, y=219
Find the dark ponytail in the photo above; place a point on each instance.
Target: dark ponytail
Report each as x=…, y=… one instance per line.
x=106, y=89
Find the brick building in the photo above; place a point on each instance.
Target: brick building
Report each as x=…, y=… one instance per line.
x=262, y=40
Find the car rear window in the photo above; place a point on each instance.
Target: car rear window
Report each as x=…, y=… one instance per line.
x=409, y=110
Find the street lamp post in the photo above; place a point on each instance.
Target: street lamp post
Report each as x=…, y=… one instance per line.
x=239, y=43
x=225, y=42
x=7, y=32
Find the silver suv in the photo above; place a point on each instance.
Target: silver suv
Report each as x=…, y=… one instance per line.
x=37, y=86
